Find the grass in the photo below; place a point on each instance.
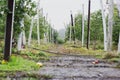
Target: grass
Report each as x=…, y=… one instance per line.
x=99, y=53
x=35, y=55
x=110, y=55
x=42, y=46
x=17, y=63
x=82, y=50
x=24, y=62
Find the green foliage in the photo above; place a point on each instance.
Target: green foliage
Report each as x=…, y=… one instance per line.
x=22, y=9
x=60, y=41
x=116, y=26
x=55, y=36
x=3, y=10
x=96, y=29
x=1, y=46
x=78, y=27
x=67, y=33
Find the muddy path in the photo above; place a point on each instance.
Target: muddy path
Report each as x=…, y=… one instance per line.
x=79, y=67
x=71, y=67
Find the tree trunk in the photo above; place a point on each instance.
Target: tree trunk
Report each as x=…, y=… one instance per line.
x=21, y=38
x=30, y=33
x=110, y=24
x=38, y=31
x=104, y=26
x=83, y=26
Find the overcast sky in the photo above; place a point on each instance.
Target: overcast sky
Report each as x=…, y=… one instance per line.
x=59, y=10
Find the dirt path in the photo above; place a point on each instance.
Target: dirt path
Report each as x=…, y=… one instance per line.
x=74, y=67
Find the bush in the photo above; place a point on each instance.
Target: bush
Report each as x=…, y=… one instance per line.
x=1, y=50
x=60, y=41
x=42, y=54
x=100, y=46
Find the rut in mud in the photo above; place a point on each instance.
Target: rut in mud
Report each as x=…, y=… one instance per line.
x=72, y=67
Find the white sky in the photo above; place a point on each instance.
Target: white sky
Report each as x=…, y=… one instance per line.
x=59, y=10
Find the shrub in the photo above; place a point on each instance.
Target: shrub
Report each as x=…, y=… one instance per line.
x=110, y=55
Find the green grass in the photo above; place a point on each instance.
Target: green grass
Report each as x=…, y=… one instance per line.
x=116, y=60
x=35, y=55
x=17, y=63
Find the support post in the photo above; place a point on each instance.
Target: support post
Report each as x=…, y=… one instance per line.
x=73, y=29
x=88, y=30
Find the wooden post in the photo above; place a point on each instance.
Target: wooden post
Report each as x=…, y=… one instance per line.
x=9, y=30
x=73, y=29
x=88, y=30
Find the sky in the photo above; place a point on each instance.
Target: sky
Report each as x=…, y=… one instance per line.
x=59, y=10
